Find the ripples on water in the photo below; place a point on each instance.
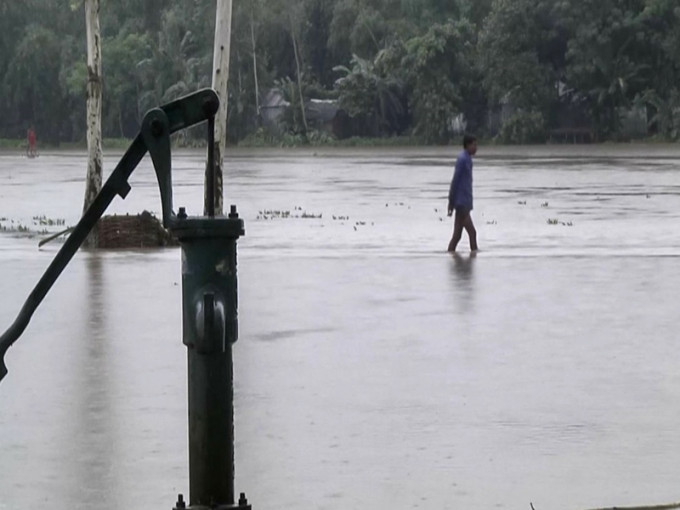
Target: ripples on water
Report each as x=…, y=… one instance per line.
x=372, y=368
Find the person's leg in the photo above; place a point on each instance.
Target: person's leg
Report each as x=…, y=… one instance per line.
x=458, y=222
x=472, y=232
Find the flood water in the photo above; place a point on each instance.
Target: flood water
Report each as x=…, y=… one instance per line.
x=373, y=369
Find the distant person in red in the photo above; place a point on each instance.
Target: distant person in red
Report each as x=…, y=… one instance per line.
x=30, y=150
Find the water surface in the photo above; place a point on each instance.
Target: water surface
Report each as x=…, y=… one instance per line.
x=373, y=369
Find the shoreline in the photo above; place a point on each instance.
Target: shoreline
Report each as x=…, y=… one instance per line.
x=575, y=152
x=19, y=146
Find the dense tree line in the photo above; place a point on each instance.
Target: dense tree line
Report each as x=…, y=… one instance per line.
x=395, y=66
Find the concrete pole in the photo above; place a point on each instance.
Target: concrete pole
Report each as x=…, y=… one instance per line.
x=94, y=110
x=219, y=84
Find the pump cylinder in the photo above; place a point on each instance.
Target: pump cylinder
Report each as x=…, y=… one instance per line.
x=210, y=327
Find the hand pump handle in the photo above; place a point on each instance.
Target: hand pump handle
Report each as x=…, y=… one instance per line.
x=154, y=137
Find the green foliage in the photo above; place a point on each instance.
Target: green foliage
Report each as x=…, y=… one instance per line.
x=124, y=80
x=666, y=112
x=396, y=66
x=292, y=121
x=607, y=58
x=263, y=138
x=659, y=21
x=31, y=77
x=524, y=127
x=375, y=99
x=437, y=65
x=522, y=51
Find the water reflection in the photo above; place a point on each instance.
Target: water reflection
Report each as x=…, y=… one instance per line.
x=92, y=432
x=462, y=271
x=462, y=268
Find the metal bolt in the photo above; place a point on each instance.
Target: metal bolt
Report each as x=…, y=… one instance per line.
x=180, y=502
x=232, y=213
x=210, y=106
x=182, y=214
x=243, y=501
x=156, y=127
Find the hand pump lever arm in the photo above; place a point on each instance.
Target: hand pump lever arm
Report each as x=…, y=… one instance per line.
x=154, y=136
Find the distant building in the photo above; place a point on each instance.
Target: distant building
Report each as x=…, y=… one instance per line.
x=326, y=115
x=458, y=124
x=633, y=122
x=322, y=114
x=272, y=107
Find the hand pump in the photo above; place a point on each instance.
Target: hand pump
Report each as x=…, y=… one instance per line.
x=209, y=296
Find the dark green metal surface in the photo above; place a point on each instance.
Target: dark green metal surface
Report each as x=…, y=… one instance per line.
x=209, y=330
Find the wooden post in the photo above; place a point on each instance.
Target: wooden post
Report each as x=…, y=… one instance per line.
x=94, y=110
x=220, y=83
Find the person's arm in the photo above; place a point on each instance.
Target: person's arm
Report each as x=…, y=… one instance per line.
x=454, y=186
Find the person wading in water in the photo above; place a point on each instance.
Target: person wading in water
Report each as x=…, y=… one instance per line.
x=460, y=195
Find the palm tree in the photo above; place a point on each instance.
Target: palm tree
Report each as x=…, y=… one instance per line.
x=364, y=90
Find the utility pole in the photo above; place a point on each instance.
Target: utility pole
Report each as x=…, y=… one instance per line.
x=220, y=84
x=93, y=181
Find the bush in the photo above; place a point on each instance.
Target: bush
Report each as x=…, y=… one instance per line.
x=263, y=138
x=524, y=127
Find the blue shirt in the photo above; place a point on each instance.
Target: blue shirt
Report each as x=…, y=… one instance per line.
x=460, y=193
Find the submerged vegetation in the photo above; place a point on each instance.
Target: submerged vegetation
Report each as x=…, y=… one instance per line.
x=38, y=225
x=298, y=213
